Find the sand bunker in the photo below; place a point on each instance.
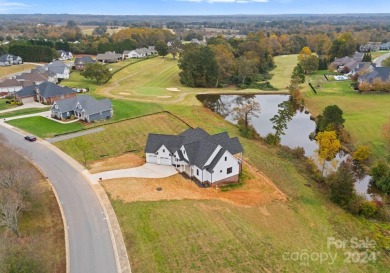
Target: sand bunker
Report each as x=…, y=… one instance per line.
x=123, y=93
x=164, y=97
x=174, y=89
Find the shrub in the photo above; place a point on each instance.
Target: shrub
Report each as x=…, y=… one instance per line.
x=361, y=154
x=272, y=139
x=368, y=209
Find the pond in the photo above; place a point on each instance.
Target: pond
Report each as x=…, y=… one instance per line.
x=298, y=127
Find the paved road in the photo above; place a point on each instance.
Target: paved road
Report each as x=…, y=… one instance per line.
x=378, y=61
x=90, y=245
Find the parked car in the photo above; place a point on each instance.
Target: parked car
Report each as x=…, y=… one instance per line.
x=30, y=138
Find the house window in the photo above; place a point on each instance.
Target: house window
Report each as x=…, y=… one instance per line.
x=163, y=150
x=229, y=170
x=220, y=171
x=225, y=158
x=197, y=172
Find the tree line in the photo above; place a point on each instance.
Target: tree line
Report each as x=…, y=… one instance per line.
x=223, y=62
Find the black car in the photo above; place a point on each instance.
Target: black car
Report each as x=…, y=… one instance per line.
x=30, y=138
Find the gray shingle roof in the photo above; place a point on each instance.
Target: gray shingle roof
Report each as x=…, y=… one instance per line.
x=49, y=90
x=89, y=104
x=199, y=145
x=57, y=67
x=84, y=60
x=378, y=72
x=28, y=91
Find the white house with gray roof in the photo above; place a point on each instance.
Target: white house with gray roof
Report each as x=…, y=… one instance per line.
x=210, y=159
x=83, y=107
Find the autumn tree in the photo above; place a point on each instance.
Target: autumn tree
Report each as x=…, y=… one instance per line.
x=247, y=67
x=161, y=48
x=362, y=153
x=328, y=146
x=97, y=71
x=308, y=61
x=380, y=174
x=225, y=61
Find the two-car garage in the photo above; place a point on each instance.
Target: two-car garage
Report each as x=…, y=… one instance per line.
x=153, y=158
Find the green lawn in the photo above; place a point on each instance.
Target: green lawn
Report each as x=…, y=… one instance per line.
x=121, y=137
x=4, y=106
x=44, y=127
x=282, y=73
x=23, y=112
x=365, y=114
x=376, y=54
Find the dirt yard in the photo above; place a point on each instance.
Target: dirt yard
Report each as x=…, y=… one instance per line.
x=256, y=190
x=124, y=161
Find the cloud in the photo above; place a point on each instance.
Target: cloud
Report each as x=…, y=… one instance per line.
x=225, y=1
x=6, y=6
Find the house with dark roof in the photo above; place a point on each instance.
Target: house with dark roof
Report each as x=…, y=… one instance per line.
x=80, y=63
x=36, y=77
x=9, y=59
x=382, y=73
x=210, y=159
x=46, y=93
x=83, y=107
x=109, y=57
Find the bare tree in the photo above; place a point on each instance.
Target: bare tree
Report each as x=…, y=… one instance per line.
x=247, y=108
x=18, y=186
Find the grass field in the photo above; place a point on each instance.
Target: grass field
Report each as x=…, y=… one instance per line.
x=121, y=137
x=7, y=70
x=213, y=236
x=376, y=54
x=4, y=106
x=365, y=114
x=282, y=73
x=23, y=112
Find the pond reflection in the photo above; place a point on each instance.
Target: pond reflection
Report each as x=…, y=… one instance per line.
x=279, y=115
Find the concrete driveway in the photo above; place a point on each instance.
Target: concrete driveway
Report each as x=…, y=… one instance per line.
x=148, y=170
x=378, y=61
x=27, y=105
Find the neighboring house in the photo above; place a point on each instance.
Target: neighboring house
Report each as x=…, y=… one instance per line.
x=362, y=68
x=80, y=63
x=9, y=59
x=35, y=78
x=210, y=159
x=139, y=52
x=10, y=86
x=384, y=46
x=59, y=69
x=64, y=55
x=83, y=107
x=369, y=47
x=45, y=93
x=109, y=57
x=382, y=73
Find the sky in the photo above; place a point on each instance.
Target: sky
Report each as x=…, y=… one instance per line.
x=193, y=7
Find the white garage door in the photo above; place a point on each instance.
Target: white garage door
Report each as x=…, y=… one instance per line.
x=29, y=99
x=152, y=159
x=164, y=161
